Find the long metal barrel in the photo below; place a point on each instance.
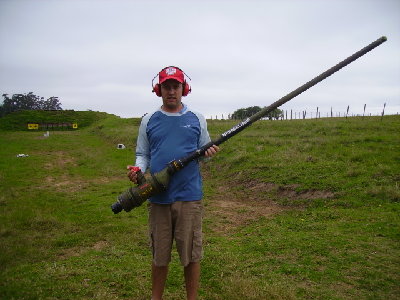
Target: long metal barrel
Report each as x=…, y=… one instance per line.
x=247, y=122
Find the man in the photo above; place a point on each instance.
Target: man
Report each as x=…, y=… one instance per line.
x=172, y=132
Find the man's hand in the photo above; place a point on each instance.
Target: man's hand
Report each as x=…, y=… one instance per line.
x=132, y=175
x=211, y=151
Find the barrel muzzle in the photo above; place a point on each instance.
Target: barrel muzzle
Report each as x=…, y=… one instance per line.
x=116, y=207
x=149, y=186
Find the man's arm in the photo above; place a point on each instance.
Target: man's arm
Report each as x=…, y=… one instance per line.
x=143, y=146
x=142, y=151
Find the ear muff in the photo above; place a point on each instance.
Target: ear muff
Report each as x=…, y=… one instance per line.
x=186, y=89
x=157, y=89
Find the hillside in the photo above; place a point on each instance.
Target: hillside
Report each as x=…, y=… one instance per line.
x=18, y=120
x=301, y=209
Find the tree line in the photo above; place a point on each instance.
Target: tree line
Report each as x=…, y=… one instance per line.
x=28, y=101
x=244, y=113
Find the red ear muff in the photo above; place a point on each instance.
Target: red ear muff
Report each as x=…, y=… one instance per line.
x=157, y=90
x=186, y=89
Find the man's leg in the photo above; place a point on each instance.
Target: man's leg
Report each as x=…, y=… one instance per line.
x=158, y=277
x=161, y=243
x=192, y=278
x=188, y=237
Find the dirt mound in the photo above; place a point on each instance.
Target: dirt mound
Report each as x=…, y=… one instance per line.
x=239, y=203
x=290, y=192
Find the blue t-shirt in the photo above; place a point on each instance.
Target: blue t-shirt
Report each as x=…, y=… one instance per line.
x=164, y=137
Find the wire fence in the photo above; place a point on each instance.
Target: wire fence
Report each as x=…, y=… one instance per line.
x=311, y=114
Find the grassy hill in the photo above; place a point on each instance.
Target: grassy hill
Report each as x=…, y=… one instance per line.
x=18, y=120
x=301, y=209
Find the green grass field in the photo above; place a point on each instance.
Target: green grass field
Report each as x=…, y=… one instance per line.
x=301, y=209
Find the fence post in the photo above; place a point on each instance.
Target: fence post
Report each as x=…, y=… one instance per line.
x=383, y=111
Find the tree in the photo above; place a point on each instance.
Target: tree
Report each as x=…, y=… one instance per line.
x=2, y=108
x=52, y=104
x=8, y=105
x=244, y=113
x=275, y=114
x=28, y=102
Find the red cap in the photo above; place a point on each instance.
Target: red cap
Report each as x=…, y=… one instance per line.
x=171, y=73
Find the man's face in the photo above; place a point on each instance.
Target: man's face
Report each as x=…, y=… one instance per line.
x=171, y=93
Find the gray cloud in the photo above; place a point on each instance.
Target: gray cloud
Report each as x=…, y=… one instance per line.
x=102, y=55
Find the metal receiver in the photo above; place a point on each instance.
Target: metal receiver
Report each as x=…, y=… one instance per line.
x=154, y=184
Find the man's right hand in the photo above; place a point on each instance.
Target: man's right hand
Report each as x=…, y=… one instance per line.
x=132, y=173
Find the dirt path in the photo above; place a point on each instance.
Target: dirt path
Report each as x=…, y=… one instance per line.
x=235, y=203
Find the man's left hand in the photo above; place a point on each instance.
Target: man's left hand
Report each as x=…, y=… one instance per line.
x=211, y=151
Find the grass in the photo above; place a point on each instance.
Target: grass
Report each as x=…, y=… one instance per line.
x=18, y=120
x=301, y=209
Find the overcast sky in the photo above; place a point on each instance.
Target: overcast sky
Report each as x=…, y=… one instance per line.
x=102, y=55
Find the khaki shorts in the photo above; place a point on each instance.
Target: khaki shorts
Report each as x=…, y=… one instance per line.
x=180, y=221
